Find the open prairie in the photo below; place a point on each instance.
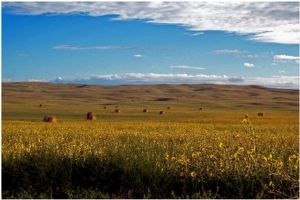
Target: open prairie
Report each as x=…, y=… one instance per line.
x=203, y=146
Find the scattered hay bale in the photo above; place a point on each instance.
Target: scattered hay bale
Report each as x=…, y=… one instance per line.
x=260, y=114
x=41, y=105
x=91, y=116
x=162, y=112
x=45, y=119
x=169, y=108
x=200, y=108
x=88, y=115
x=117, y=111
x=164, y=99
x=51, y=119
x=145, y=111
x=104, y=107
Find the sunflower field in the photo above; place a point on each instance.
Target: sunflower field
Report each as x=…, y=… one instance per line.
x=224, y=155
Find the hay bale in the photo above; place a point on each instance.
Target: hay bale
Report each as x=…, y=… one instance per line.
x=90, y=116
x=162, y=112
x=45, y=119
x=169, y=108
x=145, y=111
x=51, y=119
x=93, y=117
x=117, y=111
x=104, y=107
x=260, y=114
x=41, y=105
x=200, y=108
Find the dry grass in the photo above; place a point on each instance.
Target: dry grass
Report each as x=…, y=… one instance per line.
x=69, y=101
x=232, y=96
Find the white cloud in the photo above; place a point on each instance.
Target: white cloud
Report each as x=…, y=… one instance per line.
x=75, y=47
x=291, y=82
x=276, y=22
x=6, y=80
x=249, y=65
x=109, y=47
x=279, y=36
x=139, y=56
x=286, y=59
x=195, y=33
x=187, y=67
x=228, y=51
x=22, y=55
x=37, y=80
x=255, y=56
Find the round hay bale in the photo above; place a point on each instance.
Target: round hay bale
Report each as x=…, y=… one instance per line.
x=45, y=119
x=169, y=108
x=162, y=112
x=200, y=108
x=41, y=105
x=90, y=116
x=145, y=111
x=117, y=111
x=51, y=119
x=260, y=114
x=104, y=107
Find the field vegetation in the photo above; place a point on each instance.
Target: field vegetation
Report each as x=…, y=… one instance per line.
x=223, y=150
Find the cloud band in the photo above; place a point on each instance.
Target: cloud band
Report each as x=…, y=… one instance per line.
x=291, y=82
x=276, y=22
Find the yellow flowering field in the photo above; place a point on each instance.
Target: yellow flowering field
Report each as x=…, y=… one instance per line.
x=179, y=155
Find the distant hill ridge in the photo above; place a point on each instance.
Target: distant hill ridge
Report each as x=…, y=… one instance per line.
x=206, y=93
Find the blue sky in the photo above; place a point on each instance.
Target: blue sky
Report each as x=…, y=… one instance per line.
x=157, y=42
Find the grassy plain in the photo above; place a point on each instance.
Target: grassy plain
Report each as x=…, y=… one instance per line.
x=185, y=153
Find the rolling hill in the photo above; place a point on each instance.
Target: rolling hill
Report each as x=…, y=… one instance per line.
x=20, y=99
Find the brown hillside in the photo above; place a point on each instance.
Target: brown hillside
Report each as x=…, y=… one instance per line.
x=255, y=95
